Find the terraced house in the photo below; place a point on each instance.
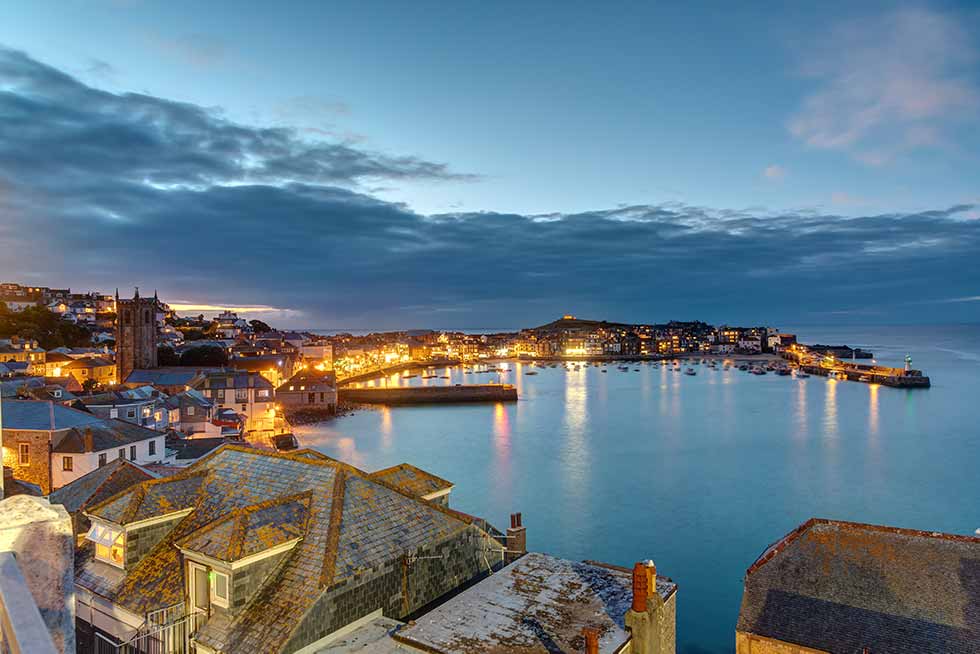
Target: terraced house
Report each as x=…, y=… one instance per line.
x=49, y=445
x=253, y=551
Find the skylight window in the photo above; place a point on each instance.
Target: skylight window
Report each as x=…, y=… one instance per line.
x=110, y=544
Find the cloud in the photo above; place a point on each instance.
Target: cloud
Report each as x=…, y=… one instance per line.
x=889, y=85
x=197, y=50
x=101, y=190
x=774, y=172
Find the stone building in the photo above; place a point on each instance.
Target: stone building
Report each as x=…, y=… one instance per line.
x=136, y=334
x=309, y=389
x=49, y=445
x=831, y=587
x=254, y=551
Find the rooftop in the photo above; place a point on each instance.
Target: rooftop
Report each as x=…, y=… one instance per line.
x=412, y=480
x=353, y=524
x=100, y=484
x=106, y=434
x=47, y=416
x=538, y=604
x=843, y=586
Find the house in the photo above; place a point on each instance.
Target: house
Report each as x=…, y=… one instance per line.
x=188, y=450
x=309, y=389
x=144, y=406
x=254, y=551
x=541, y=604
x=101, y=371
x=96, y=486
x=54, y=362
x=832, y=587
x=50, y=445
x=192, y=413
x=247, y=393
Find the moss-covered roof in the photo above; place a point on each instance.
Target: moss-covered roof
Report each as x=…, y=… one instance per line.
x=244, y=500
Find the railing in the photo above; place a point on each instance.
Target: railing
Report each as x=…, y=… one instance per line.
x=22, y=630
x=168, y=631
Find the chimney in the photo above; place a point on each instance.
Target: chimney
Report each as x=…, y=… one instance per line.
x=647, y=613
x=591, y=635
x=516, y=539
x=88, y=440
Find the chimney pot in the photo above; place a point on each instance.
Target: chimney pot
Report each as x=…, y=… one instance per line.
x=640, y=588
x=519, y=519
x=591, y=635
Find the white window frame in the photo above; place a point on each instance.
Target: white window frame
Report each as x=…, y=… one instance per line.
x=216, y=599
x=23, y=454
x=106, y=537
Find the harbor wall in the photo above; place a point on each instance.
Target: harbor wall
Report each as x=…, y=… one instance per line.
x=430, y=394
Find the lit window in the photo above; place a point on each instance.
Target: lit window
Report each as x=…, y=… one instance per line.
x=67, y=464
x=24, y=454
x=219, y=588
x=110, y=544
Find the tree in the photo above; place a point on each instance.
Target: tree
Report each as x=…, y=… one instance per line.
x=167, y=357
x=259, y=327
x=192, y=334
x=205, y=355
x=47, y=328
x=89, y=385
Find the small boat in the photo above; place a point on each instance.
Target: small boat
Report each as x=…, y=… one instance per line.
x=864, y=378
x=603, y=370
x=531, y=372
x=782, y=372
x=690, y=371
x=443, y=376
x=802, y=375
x=758, y=371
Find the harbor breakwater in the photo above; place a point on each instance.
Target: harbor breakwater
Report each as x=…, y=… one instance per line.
x=429, y=394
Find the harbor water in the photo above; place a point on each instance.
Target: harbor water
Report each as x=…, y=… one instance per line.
x=698, y=472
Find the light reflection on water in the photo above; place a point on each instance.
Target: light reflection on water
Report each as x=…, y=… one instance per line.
x=699, y=473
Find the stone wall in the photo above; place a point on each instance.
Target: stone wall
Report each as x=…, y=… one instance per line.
x=247, y=581
x=38, y=471
x=399, y=589
x=40, y=536
x=429, y=394
x=752, y=644
x=139, y=542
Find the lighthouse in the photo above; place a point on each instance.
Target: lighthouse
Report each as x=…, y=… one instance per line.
x=908, y=363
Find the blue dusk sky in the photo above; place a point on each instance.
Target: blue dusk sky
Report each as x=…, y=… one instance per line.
x=413, y=164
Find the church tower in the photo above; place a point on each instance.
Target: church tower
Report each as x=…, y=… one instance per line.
x=136, y=334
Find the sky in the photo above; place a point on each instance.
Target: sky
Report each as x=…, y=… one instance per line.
x=494, y=165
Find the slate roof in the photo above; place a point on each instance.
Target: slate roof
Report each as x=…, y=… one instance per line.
x=100, y=484
x=88, y=362
x=253, y=529
x=311, y=378
x=412, y=480
x=353, y=524
x=536, y=605
x=232, y=379
x=173, y=376
x=841, y=586
x=106, y=434
x=45, y=416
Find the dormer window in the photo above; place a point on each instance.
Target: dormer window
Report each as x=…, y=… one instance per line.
x=110, y=544
x=220, y=585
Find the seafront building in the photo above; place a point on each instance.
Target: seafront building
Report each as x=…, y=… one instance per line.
x=832, y=587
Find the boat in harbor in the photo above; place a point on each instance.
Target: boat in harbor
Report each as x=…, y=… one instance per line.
x=782, y=372
x=691, y=371
x=802, y=375
x=531, y=372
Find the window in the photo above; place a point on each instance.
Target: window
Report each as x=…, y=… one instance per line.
x=241, y=395
x=110, y=544
x=153, y=447
x=219, y=588
x=264, y=392
x=190, y=410
x=132, y=452
x=102, y=459
x=122, y=452
x=220, y=394
x=131, y=412
x=67, y=464
x=24, y=454
x=113, y=413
